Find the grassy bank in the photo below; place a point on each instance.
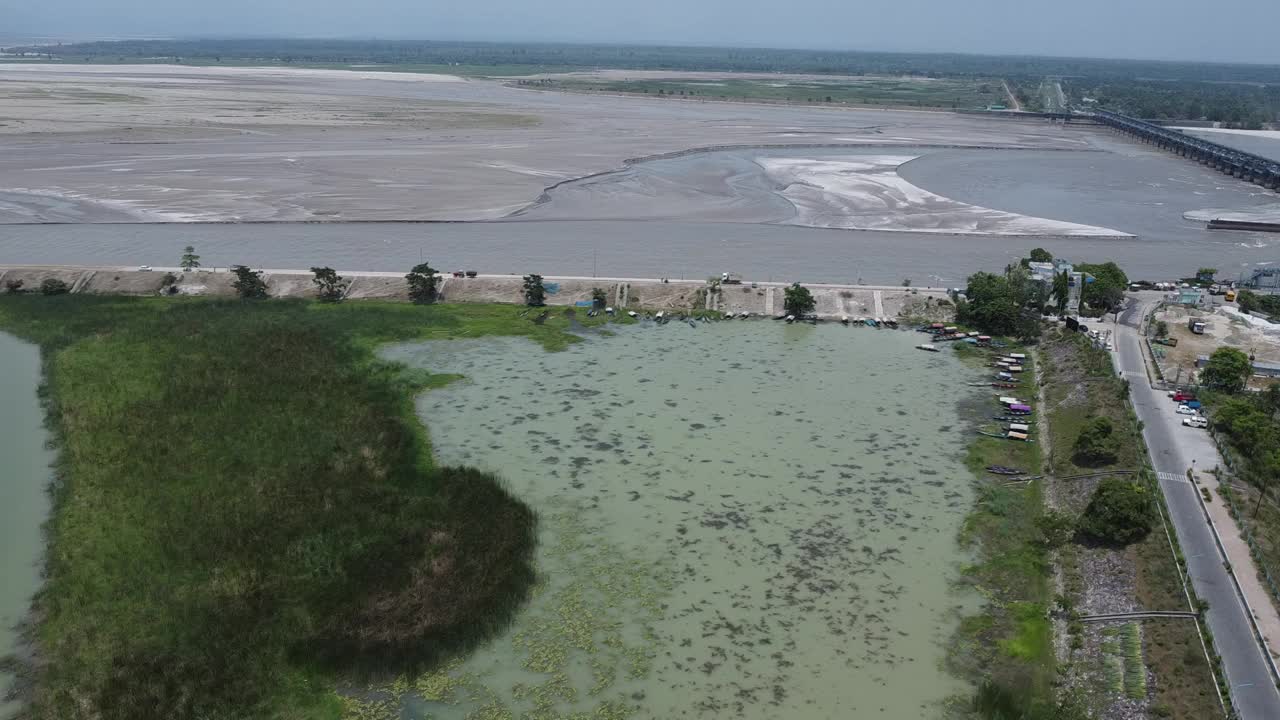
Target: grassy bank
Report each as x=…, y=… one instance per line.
x=1081, y=384
x=246, y=509
x=1010, y=644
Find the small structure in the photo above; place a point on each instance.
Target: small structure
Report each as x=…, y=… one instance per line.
x=1190, y=296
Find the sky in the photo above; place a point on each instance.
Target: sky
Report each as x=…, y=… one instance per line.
x=1223, y=30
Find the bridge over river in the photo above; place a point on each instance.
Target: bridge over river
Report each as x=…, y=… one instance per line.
x=1236, y=163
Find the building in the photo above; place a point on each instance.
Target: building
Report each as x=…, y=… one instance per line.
x=1190, y=296
x=1045, y=271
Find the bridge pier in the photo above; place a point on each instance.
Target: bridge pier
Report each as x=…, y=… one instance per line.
x=1227, y=160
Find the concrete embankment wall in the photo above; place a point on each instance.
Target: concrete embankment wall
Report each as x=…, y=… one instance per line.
x=760, y=298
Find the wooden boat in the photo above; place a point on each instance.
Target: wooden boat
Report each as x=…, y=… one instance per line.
x=1006, y=386
x=927, y=347
x=1004, y=470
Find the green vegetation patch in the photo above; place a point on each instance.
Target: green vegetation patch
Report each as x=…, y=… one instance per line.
x=1009, y=645
x=246, y=509
x=952, y=93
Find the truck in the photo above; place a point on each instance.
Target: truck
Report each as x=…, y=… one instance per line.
x=728, y=278
x=1230, y=296
x=1196, y=326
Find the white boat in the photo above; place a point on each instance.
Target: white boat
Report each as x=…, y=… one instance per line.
x=927, y=347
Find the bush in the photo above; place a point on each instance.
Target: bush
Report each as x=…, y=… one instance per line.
x=1096, y=444
x=330, y=286
x=54, y=286
x=1057, y=528
x=249, y=285
x=423, y=283
x=535, y=294
x=1120, y=512
x=13, y=286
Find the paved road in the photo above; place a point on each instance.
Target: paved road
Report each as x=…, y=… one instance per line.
x=1252, y=689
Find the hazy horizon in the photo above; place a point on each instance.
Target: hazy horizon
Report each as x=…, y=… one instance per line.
x=1230, y=31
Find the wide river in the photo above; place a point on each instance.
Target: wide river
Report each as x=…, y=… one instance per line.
x=1127, y=189
x=24, y=504
x=737, y=521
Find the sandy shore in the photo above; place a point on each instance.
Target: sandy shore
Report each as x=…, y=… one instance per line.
x=866, y=192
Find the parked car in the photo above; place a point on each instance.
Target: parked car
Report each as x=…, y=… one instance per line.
x=1184, y=410
x=1195, y=421
x=1182, y=396
x=144, y=268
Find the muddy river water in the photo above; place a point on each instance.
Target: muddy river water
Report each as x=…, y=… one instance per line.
x=24, y=473
x=698, y=215
x=737, y=520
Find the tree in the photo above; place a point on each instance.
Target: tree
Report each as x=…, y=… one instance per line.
x=54, y=286
x=249, y=285
x=1061, y=290
x=1206, y=274
x=1096, y=443
x=13, y=286
x=190, y=260
x=599, y=298
x=1248, y=301
x=423, y=283
x=1228, y=370
x=1105, y=292
x=1120, y=512
x=330, y=286
x=798, y=301
x=1162, y=329
x=1040, y=255
x=991, y=305
x=535, y=295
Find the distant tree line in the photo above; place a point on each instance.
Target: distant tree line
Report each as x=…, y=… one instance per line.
x=316, y=50
x=1238, y=103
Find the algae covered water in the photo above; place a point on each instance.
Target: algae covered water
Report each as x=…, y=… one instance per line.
x=23, y=502
x=737, y=520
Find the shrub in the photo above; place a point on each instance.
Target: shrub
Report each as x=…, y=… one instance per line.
x=13, y=286
x=330, y=286
x=1096, y=444
x=54, y=286
x=249, y=284
x=1120, y=512
x=535, y=295
x=599, y=298
x=423, y=283
x=1057, y=528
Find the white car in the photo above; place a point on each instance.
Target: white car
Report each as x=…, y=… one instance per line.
x=144, y=268
x=1195, y=421
x=1184, y=410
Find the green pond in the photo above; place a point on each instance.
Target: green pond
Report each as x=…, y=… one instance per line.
x=24, y=475
x=747, y=520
